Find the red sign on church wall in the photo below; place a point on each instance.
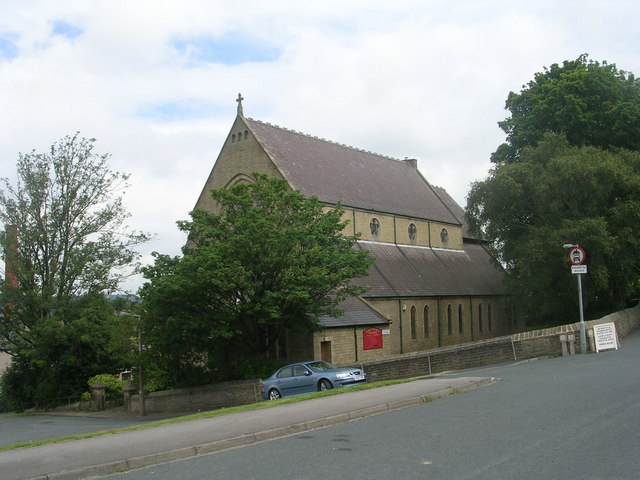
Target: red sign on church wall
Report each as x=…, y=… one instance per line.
x=372, y=339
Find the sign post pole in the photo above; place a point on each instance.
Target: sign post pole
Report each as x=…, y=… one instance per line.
x=577, y=257
x=583, y=333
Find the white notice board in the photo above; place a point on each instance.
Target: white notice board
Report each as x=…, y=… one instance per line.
x=605, y=336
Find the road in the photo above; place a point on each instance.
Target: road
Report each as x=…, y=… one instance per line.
x=563, y=418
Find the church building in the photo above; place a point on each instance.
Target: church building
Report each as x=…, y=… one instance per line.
x=432, y=284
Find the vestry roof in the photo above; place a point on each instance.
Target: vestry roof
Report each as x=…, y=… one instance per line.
x=355, y=312
x=335, y=172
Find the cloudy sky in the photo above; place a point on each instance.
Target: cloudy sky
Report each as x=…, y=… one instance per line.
x=155, y=81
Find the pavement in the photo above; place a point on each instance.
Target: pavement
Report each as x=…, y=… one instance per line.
x=116, y=453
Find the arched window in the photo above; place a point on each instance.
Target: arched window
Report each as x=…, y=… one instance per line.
x=460, y=319
x=413, y=232
x=480, y=318
x=413, y=323
x=489, y=322
x=444, y=236
x=425, y=316
x=449, y=329
x=375, y=227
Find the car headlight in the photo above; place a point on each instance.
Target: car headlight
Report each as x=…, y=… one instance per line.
x=342, y=375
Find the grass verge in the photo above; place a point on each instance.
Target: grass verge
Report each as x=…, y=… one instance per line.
x=201, y=415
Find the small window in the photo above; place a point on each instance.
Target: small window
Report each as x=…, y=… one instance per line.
x=246, y=133
x=480, y=318
x=460, y=319
x=449, y=328
x=286, y=372
x=444, y=236
x=375, y=227
x=299, y=371
x=233, y=138
x=413, y=324
x=413, y=232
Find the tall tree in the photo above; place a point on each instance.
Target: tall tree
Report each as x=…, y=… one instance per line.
x=556, y=194
x=67, y=239
x=271, y=260
x=588, y=102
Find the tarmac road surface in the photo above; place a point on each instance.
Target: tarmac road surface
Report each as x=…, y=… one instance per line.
x=107, y=454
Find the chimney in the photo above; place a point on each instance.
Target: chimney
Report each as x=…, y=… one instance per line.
x=411, y=161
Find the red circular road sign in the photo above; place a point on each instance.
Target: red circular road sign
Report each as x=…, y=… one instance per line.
x=576, y=255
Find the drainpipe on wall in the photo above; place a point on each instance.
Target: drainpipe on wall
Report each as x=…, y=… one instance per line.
x=401, y=335
x=353, y=216
x=355, y=341
x=439, y=325
x=395, y=231
x=471, y=316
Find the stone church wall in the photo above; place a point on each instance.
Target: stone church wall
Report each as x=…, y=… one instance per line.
x=239, y=158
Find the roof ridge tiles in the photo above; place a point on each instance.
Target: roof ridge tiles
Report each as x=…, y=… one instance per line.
x=315, y=137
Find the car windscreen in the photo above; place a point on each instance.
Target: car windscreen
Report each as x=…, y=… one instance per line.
x=319, y=366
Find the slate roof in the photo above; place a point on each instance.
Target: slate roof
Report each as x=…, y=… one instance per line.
x=334, y=172
x=405, y=271
x=355, y=312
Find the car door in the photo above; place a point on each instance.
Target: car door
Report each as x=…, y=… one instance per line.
x=305, y=382
x=286, y=382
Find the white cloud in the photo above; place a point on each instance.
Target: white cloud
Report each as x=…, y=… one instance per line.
x=421, y=79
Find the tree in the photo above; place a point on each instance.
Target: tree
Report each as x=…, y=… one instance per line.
x=588, y=102
x=65, y=241
x=270, y=261
x=554, y=194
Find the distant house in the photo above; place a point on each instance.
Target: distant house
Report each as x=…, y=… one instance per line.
x=432, y=285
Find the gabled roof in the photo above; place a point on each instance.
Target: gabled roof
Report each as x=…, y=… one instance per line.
x=335, y=172
x=404, y=271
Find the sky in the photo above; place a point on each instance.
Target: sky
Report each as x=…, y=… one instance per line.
x=155, y=81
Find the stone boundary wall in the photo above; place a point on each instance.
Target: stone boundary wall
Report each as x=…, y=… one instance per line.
x=196, y=399
x=519, y=346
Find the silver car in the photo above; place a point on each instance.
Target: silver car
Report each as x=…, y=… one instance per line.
x=308, y=377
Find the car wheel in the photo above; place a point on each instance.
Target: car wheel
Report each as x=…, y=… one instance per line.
x=324, y=385
x=274, y=394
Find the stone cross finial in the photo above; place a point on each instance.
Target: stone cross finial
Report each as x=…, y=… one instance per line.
x=239, y=100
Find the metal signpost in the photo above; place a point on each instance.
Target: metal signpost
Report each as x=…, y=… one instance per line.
x=577, y=257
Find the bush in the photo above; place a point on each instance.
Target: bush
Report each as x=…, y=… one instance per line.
x=113, y=386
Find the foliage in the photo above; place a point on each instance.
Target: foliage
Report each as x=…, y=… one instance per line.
x=555, y=194
x=588, y=102
x=270, y=261
x=67, y=248
x=113, y=385
x=90, y=340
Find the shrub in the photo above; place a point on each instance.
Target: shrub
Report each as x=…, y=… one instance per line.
x=113, y=385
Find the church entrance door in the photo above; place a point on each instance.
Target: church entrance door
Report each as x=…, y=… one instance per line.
x=325, y=351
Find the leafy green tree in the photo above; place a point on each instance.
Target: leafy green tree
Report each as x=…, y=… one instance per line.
x=588, y=102
x=67, y=248
x=555, y=194
x=270, y=261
